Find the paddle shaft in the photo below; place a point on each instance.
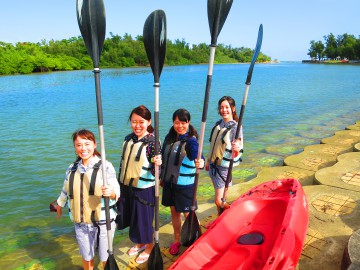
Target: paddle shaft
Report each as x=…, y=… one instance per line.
x=231, y=163
x=157, y=152
x=203, y=120
x=91, y=19
x=102, y=153
x=248, y=82
x=154, y=37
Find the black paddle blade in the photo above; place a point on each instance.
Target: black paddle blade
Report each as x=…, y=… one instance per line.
x=256, y=54
x=92, y=24
x=191, y=230
x=111, y=263
x=154, y=35
x=218, y=11
x=155, y=261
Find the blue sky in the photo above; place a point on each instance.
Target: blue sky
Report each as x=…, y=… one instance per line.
x=289, y=26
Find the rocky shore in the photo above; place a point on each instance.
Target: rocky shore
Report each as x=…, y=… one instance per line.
x=330, y=175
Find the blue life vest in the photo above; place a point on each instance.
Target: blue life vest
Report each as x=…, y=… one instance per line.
x=177, y=168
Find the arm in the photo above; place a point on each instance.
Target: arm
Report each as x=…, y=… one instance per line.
x=192, y=148
x=237, y=144
x=62, y=199
x=112, y=189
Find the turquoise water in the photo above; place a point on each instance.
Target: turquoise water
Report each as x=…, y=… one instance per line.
x=290, y=105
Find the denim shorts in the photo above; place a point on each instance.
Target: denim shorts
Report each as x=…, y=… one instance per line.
x=86, y=236
x=218, y=176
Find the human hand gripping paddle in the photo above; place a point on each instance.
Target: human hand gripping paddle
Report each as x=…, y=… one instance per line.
x=218, y=11
x=154, y=36
x=248, y=82
x=92, y=24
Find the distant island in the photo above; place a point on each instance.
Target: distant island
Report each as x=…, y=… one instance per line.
x=332, y=61
x=343, y=49
x=118, y=51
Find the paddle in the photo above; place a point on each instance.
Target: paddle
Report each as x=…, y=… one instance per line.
x=91, y=20
x=218, y=11
x=248, y=82
x=154, y=36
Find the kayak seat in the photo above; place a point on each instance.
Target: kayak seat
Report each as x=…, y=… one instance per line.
x=253, y=238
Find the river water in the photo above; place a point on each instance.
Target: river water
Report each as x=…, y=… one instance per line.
x=290, y=105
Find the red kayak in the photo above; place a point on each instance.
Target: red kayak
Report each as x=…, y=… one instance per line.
x=265, y=228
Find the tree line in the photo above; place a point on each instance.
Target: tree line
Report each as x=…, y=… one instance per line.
x=343, y=46
x=118, y=51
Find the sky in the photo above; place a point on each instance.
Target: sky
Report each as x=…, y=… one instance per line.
x=289, y=25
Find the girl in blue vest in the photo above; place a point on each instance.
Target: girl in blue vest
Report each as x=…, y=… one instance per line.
x=179, y=156
x=137, y=183
x=83, y=190
x=224, y=147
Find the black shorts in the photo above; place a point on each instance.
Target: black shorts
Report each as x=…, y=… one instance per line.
x=179, y=196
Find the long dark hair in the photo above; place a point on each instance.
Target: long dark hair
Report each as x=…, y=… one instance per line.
x=232, y=106
x=84, y=134
x=184, y=116
x=143, y=112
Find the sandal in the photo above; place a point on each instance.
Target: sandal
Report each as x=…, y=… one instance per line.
x=143, y=257
x=135, y=250
x=174, y=249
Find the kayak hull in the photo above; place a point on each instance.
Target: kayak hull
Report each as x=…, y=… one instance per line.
x=264, y=228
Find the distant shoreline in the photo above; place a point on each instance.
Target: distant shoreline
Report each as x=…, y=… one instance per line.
x=330, y=62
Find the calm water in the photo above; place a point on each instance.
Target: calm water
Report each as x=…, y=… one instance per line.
x=290, y=105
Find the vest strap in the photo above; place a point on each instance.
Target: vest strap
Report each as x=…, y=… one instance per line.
x=178, y=153
x=98, y=229
x=93, y=178
x=141, y=200
x=187, y=174
x=226, y=131
x=188, y=166
x=138, y=155
x=122, y=159
x=212, y=130
x=71, y=179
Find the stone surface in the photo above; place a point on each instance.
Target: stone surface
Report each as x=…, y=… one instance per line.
x=356, y=126
x=344, y=174
x=344, y=139
x=328, y=149
x=311, y=161
x=305, y=177
x=333, y=217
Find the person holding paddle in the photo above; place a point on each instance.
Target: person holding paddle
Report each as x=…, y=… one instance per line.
x=137, y=183
x=179, y=154
x=224, y=147
x=83, y=190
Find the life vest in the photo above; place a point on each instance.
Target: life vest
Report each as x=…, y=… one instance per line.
x=85, y=195
x=177, y=168
x=220, y=146
x=135, y=169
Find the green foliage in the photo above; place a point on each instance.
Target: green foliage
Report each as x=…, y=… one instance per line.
x=71, y=54
x=343, y=46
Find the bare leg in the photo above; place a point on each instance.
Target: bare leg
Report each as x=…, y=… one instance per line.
x=219, y=192
x=176, y=222
x=88, y=265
